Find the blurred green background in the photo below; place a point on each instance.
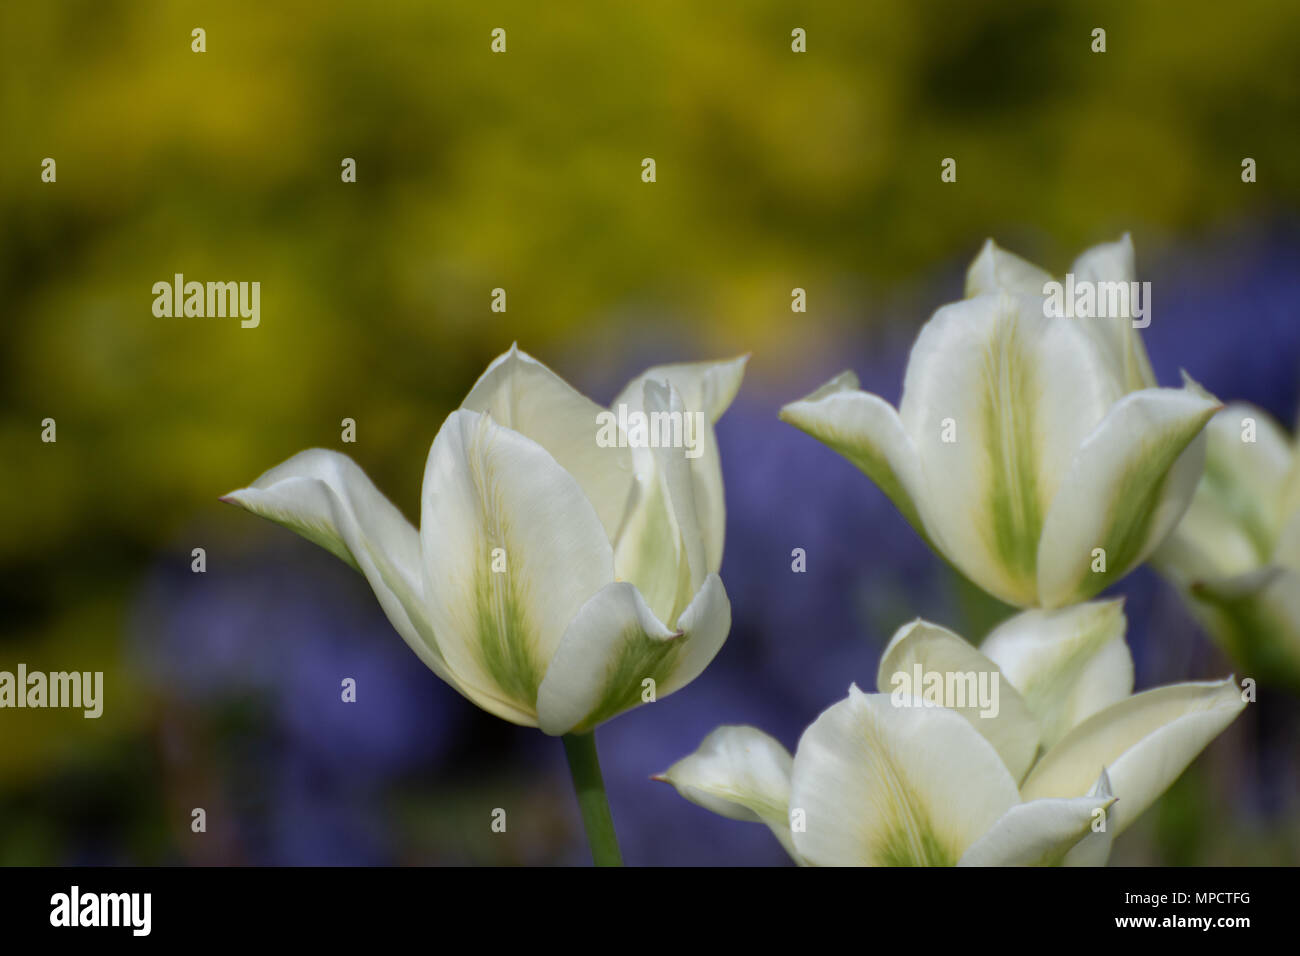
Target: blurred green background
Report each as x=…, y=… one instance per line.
x=522, y=171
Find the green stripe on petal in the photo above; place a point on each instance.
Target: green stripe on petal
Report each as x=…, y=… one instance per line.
x=1130, y=482
x=996, y=400
x=512, y=550
x=506, y=646
x=874, y=784
x=616, y=644
x=1010, y=412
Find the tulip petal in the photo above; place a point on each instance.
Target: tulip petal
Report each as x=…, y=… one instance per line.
x=1256, y=617
x=1094, y=848
x=1113, y=262
x=512, y=550
x=648, y=552
x=661, y=547
x=739, y=773
x=522, y=394
x=879, y=785
x=675, y=469
x=1212, y=540
x=996, y=270
x=326, y=497
x=1230, y=528
x=1067, y=664
x=1047, y=833
x=1126, y=489
x=997, y=399
x=1248, y=477
x=1002, y=719
x=867, y=431
x=615, y=644
x=1143, y=743
x=708, y=387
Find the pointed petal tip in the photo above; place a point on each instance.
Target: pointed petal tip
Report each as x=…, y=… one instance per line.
x=1196, y=388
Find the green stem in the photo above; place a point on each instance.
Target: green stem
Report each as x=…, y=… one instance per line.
x=585, y=767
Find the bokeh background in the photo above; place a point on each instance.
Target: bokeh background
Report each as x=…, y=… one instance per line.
x=522, y=171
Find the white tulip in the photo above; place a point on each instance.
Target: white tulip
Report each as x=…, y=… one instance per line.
x=556, y=580
x=1067, y=761
x=1034, y=453
x=1236, y=553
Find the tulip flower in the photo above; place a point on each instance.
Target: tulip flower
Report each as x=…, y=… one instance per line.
x=1062, y=763
x=1035, y=453
x=1236, y=553
x=566, y=564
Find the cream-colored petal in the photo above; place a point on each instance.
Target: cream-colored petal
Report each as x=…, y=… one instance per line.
x=326, y=497
x=740, y=773
x=1124, y=492
x=661, y=546
x=1049, y=832
x=524, y=395
x=1256, y=618
x=996, y=270
x=707, y=387
x=1209, y=541
x=1117, y=334
x=1143, y=743
x=1067, y=664
x=874, y=785
x=1290, y=498
x=997, y=400
x=867, y=431
x=512, y=550
x=931, y=662
x=617, y=655
x=1248, y=457
x=1286, y=552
